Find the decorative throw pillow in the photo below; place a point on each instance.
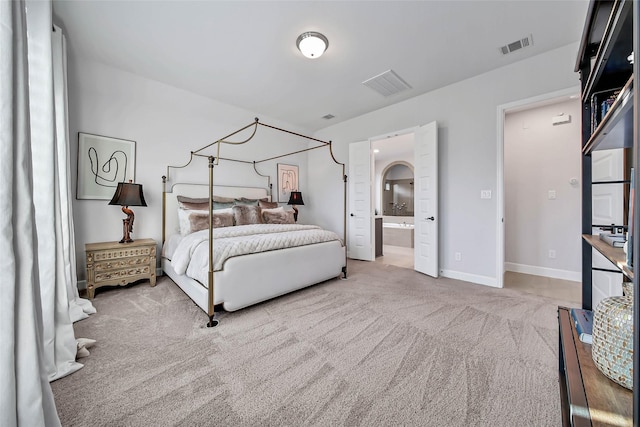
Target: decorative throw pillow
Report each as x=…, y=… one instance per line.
x=191, y=203
x=245, y=214
x=278, y=216
x=184, y=222
x=249, y=202
x=272, y=210
x=267, y=205
x=192, y=221
x=202, y=203
x=222, y=205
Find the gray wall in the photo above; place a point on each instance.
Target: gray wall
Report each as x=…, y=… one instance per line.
x=540, y=157
x=166, y=123
x=466, y=113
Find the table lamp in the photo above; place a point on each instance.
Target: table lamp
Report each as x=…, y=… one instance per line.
x=128, y=194
x=295, y=199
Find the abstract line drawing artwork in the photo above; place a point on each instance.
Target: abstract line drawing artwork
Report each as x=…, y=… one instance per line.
x=287, y=181
x=103, y=162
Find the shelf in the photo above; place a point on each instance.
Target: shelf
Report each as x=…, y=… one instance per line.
x=611, y=66
x=615, y=255
x=616, y=128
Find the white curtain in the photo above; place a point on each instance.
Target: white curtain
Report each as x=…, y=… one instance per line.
x=39, y=294
x=78, y=308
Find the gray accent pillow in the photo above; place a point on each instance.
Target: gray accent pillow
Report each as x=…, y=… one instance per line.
x=222, y=205
x=245, y=214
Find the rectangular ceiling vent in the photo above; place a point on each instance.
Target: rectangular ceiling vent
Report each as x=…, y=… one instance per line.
x=517, y=45
x=387, y=83
x=328, y=117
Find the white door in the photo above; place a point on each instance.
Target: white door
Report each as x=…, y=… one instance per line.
x=360, y=231
x=426, y=200
x=607, y=208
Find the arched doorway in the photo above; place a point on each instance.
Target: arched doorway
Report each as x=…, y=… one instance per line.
x=396, y=189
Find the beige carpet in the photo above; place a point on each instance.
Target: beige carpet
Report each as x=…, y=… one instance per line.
x=386, y=347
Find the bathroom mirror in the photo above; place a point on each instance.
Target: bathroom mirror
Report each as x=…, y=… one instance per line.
x=397, y=191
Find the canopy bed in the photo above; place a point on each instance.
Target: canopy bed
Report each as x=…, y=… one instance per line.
x=233, y=246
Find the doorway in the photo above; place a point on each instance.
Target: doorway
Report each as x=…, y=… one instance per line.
x=539, y=190
x=394, y=201
x=362, y=209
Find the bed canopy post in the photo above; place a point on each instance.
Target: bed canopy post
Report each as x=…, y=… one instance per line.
x=211, y=312
x=344, y=207
x=164, y=206
x=344, y=220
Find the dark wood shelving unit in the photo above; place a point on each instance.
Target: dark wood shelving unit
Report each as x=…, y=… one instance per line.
x=595, y=399
x=609, y=37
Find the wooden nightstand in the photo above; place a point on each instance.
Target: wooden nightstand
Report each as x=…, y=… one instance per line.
x=113, y=263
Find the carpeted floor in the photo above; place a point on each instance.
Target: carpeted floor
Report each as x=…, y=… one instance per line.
x=388, y=346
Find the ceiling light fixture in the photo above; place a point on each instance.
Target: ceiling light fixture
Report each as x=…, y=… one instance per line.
x=312, y=44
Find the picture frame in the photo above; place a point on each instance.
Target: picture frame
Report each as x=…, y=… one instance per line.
x=287, y=181
x=102, y=163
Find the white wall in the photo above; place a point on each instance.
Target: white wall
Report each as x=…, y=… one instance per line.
x=467, y=133
x=166, y=123
x=540, y=157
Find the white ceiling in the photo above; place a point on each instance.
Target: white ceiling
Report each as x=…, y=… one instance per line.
x=243, y=53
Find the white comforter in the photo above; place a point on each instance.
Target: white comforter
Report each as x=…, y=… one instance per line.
x=192, y=254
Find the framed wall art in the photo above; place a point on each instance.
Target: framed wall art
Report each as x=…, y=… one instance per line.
x=103, y=162
x=287, y=181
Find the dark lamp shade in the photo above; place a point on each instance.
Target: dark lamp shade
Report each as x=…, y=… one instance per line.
x=296, y=198
x=128, y=194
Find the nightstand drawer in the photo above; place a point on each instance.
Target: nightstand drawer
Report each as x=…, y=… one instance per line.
x=119, y=253
x=125, y=274
x=101, y=266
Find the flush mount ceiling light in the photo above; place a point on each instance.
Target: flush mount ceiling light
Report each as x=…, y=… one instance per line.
x=312, y=44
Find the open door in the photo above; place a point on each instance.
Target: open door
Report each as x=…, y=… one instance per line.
x=360, y=229
x=426, y=200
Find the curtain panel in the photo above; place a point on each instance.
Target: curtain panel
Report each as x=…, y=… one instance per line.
x=39, y=299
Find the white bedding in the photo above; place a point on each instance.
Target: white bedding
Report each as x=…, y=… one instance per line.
x=191, y=256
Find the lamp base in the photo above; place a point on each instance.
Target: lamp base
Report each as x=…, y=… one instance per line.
x=126, y=235
x=295, y=213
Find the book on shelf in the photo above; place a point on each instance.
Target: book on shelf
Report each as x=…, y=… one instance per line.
x=583, y=320
x=601, y=102
x=613, y=239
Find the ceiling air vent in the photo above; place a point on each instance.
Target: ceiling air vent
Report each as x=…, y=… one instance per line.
x=516, y=45
x=387, y=83
x=328, y=117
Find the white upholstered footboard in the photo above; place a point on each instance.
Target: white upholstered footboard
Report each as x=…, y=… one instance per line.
x=250, y=279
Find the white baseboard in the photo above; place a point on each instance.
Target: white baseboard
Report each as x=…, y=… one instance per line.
x=554, y=273
x=473, y=278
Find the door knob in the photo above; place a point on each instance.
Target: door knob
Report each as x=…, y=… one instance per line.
x=430, y=218
x=353, y=215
